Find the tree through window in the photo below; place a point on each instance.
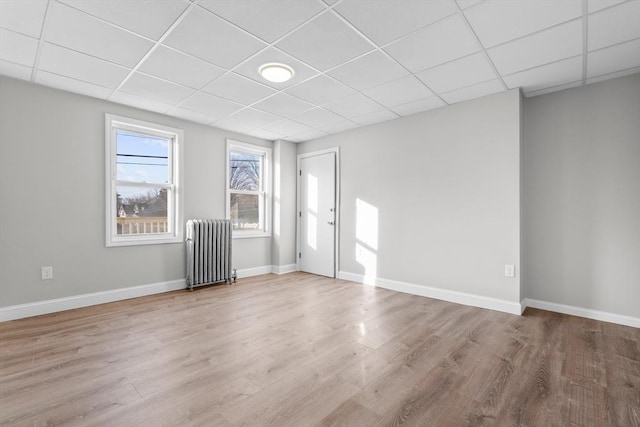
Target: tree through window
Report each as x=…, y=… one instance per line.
x=248, y=188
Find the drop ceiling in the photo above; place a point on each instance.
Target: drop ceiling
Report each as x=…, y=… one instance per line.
x=356, y=62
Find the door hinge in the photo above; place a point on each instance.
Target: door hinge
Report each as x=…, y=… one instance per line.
x=300, y=172
x=299, y=254
x=300, y=214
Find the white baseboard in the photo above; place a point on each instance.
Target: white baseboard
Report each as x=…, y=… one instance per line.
x=254, y=271
x=284, y=269
x=85, y=300
x=266, y=269
x=437, y=293
x=583, y=312
x=78, y=301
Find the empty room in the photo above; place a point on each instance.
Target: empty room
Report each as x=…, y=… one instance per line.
x=320, y=213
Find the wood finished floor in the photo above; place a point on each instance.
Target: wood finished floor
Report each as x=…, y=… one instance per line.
x=300, y=350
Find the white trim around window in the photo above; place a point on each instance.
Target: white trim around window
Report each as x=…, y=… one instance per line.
x=263, y=190
x=141, y=229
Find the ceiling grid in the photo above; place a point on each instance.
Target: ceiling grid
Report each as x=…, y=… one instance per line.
x=356, y=62
x=40, y=44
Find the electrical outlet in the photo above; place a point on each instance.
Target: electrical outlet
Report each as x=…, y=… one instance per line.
x=47, y=273
x=510, y=270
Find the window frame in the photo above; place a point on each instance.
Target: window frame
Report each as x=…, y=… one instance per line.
x=265, y=187
x=113, y=123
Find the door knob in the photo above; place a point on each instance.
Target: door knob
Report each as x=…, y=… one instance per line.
x=330, y=222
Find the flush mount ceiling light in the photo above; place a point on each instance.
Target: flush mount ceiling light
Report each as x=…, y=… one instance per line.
x=275, y=72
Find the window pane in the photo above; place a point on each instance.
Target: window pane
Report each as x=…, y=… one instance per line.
x=142, y=158
x=141, y=210
x=245, y=211
x=244, y=171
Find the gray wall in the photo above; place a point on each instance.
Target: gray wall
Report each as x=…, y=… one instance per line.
x=581, y=197
x=52, y=197
x=283, y=245
x=445, y=185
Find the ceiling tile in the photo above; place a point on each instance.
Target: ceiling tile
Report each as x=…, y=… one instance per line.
x=340, y=126
x=547, y=46
x=497, y=22
x=614, y=75
x=140, y=102
x=14, y=70
x=64, y=25
x=158, y=15
x=398, y=92
x=17, y=48
x=387, y=20
x=177, y=67
x=558, y=73
x=259, y=17
x=250, y=68
x=419, y=106
x=612, y=59
x=255, y=118
x=368, y=71
x=553, y=89
x=459, y=73
x=25, y=17
x=375, y=117
x=475, y=91
x=441, y=42
x=72, y=85
x=209, y=37
x=287, y=128
x=320, y=90
x=596, y=5
x=467, y=3
x=265, y=134
x=614, y=25
x=309, y=135
x=211, y=105
x=194, y=116
x=283, y=105
x=79, y=66
x=239, y=89
x=317, y=117
x=333, y=43
x=155, y=89
x=354, y=105
x=229, y=124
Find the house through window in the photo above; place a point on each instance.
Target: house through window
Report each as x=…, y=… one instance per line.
x=142, y=183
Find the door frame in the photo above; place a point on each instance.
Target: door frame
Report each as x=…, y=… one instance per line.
x=336, y=228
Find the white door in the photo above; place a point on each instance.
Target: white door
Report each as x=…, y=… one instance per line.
x=318, y=214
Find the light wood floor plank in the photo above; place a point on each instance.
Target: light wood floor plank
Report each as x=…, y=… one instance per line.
x=304, y=350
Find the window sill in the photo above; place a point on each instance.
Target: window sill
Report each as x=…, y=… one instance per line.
x=142, y=241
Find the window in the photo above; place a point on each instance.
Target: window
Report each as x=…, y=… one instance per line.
x=248, y=186
x=143, y=195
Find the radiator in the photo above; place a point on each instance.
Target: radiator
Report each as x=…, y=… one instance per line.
x=208, y=252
